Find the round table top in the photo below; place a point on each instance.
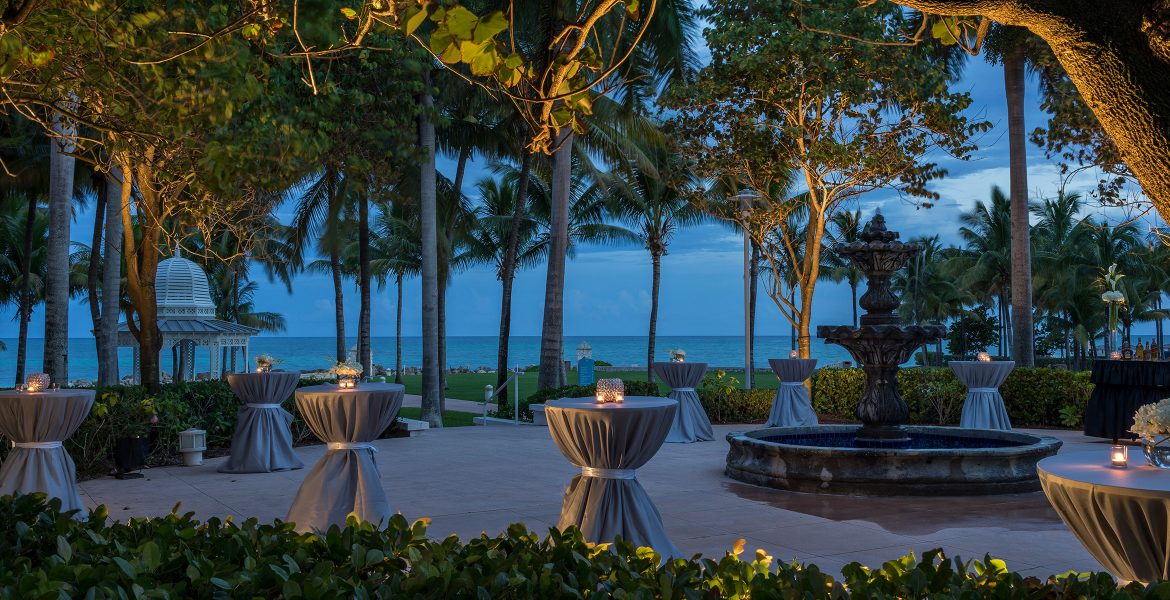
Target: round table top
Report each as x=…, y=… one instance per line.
x=630, y=403
x=63, y=394
x=365, y=388
x=1092, y=468
x=261, y=374
x=981, y=363
x=674, y=363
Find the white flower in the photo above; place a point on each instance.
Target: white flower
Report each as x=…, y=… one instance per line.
x=1152, y=421
x=346, y=369
x=1113, y=296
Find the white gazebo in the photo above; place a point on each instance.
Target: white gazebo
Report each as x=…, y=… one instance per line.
x=186, y=319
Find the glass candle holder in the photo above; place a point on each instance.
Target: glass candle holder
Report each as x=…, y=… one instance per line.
x=983, y=357
x=37, y=382
x=610, y=390
x=347, y=383
x=794, y=354
x=1115, y=355
x=1119, y=456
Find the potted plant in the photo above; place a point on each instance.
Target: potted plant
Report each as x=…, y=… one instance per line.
x=1151, y=423
x=131, y=424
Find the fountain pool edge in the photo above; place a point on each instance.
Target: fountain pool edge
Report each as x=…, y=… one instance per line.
x=889, y=472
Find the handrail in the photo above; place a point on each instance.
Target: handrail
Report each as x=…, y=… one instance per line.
x=490, y=393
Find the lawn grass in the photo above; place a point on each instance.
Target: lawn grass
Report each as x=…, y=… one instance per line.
x=469, y=386
x=451, y=418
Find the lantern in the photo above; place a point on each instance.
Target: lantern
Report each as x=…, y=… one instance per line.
x=37, y=382
x=1118, y=456
x=610, y=390
x=192, y=443
x=983, y=357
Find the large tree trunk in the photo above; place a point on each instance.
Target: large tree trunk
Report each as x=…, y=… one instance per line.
x=442, y=312
x=142, y=257
x=398, y=332
x=26, y=288
x=363, y=344
x=1023, y=347
x=1117, y=54
x=108, y=373
x=338, y=300
x=508, y=273
x=754, y=272
x=552, y=365
x=61, y=169
x=428, y=217
x=655, y=281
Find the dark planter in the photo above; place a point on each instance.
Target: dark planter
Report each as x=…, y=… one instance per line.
x=129, y=455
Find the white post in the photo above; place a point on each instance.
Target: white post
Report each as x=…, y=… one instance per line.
x=487, y=397
x=516, y=395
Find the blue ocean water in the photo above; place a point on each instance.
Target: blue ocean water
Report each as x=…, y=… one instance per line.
x=309, y=353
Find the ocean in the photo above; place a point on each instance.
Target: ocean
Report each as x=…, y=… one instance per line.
x=309, y=353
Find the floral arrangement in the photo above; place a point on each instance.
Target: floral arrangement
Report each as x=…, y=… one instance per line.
x=348, y=368
x=265, y=362
x=678, y=355
x=1152, y=422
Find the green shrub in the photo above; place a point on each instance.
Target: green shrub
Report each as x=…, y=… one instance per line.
x=633, y=388
x=46, y=554
x=725, y=401
x=1034, y=397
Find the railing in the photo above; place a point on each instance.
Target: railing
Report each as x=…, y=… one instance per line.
x=490, y=393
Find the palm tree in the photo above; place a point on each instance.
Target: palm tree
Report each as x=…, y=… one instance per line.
x=930, y=293
x=1063, y=278
x=432, y=395
x=844, y=228
x=319, y=215
x=984, y=268
x=61, y=171
x=395, y=252
x=23, y=231
x=649, y=197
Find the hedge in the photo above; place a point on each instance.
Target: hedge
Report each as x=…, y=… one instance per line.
x=123, y=410
x=1034, y=397
x=47, y=554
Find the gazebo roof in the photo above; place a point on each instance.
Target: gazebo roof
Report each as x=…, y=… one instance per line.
x=182, y=291
x=209, y=326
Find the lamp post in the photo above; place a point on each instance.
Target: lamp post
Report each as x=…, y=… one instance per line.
x=745, y=199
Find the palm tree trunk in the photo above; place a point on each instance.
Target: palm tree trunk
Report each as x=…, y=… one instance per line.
x=552, y=366
x=656, y=280
x=93, y=274
x=754, y=273
x=398, y=332
x=363, y=343
x=61, y=169
x=1023, y=346
x=111, y=282
x=428, y=217
x=442, y=310
x=508, y=273
x=25, y=288
x=338, y=299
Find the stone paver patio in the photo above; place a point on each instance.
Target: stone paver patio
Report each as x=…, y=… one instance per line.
x=480, y=479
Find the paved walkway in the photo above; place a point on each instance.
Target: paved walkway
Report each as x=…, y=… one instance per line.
x=451, y=404
x=480, y=479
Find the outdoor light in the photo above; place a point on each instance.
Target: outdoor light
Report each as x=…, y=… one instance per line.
x=1118, y=456
x=610, y=390
x=983, y=357
x=678, y=355
x=347, y=383
x=37, y=382
x=192, y=443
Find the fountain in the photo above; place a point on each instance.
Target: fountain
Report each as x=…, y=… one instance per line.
x=885, y=456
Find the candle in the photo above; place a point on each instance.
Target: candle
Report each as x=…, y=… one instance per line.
x=794, y=354
x=983, y=357
x=1115, y=355
x=1118, y=456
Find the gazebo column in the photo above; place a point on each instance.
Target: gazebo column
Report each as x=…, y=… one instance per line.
x=216, y=370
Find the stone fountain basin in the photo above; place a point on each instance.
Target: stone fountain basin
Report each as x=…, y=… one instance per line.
x=980, y=461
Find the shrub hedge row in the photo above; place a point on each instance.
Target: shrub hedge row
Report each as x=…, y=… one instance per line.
x=1034, y=397
x=632, y=387
x=46, y=554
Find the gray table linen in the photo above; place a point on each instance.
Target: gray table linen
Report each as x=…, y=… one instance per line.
x=984, y=407
x=1121, y=516
x=37, y=423
x=608, y=442
x=346, y=480
x=690, y=422
x=792, y=406
x=262, y=441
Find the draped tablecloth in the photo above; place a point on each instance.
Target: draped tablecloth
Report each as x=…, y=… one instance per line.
x=1121, y=516
x=262, y=441
x=792, y=406
x=608, y=442
x=346, y=479
x=1119, y=388
x=690, y=421
x=983, y=408
x=37, y=423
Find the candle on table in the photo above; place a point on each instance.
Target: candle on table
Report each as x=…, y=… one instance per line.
x=1118, y=456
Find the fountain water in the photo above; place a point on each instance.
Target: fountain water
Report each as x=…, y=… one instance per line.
x=884, y=455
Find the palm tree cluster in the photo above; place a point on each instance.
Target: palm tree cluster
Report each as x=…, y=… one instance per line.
x=1071, y=251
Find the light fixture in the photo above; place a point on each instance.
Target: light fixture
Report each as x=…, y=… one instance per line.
x=192, y=443
x=610, y=390
x=794, y=354
x=1118, y=456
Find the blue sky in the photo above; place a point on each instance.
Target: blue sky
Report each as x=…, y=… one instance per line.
x=607, y=289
